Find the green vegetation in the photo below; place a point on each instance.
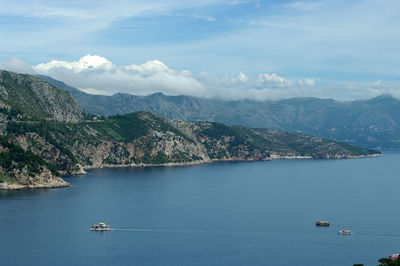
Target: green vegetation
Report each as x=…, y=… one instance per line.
x=389, y=262
x=224, y=142
x=56, y=134
x=159, y=158
x=367, y=123
x=110, y=160
x=11, y=113
x=303, y=145
x=5, y=177
x=30, y=98
x=215, y=130
x=13, y=157
x=47, y=130
x=64, y=142
x=123, y=128
x=181, y=157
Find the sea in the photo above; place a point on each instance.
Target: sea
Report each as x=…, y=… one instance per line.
x=226, y=213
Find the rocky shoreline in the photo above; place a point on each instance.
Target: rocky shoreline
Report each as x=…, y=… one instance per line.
x=45, y=134
x=58, y=182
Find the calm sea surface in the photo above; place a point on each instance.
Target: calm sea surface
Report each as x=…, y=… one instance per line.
x=259, y=213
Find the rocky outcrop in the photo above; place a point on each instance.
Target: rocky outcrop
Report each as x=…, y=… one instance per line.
x=27, y=96
x=144, y=139
x=23, y=180
x=369, y=123
x=43, y=135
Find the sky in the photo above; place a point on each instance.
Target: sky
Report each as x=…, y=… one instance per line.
x=232, y=49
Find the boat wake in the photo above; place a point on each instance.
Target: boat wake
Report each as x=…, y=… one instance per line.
x=144, y=230
x=176, y=231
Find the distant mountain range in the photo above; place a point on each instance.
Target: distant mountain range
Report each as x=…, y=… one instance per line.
x=370, y=123
x=44, y=134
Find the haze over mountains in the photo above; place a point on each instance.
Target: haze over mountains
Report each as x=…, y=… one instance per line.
x=368, y=123
x=44, y=133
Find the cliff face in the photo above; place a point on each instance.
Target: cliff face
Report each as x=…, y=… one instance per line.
x=21, y=168
x=38, y=143
x=145, y=139
x=22, y=179
x=29, y=97
x=368, y=123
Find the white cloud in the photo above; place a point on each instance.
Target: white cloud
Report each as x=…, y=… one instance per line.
x=205, y=17
x=94, y=91
x=243, y=77
x=97, y=75
x=274, y=80
x=86, y=62
x=304, y=5
x=15, y=64
x=104, y=9
x=332, y=38
x=149, y=68
x=306, y=83
x=377, y=83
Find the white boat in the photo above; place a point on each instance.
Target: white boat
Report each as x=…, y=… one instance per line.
x=345, y=232
x=100, y=227
x=322, y=223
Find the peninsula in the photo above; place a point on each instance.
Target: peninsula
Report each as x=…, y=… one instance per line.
x=45, y=134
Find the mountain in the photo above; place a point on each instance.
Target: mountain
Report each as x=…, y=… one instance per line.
x=368, y=123
x=39, y=143
x=30, y=97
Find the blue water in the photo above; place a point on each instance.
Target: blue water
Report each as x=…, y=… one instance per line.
x=255, y=213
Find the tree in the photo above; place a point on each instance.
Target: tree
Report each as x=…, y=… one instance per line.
x=389, y=262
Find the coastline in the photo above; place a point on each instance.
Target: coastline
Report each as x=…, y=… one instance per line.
x=275, y=157
x=59, y=182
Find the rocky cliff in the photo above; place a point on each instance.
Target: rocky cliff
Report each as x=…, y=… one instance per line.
x=39, y=143
x=30, y=98
x=367, y=123
x=144, y=138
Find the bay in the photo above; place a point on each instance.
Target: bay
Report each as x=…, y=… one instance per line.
x=247, y=213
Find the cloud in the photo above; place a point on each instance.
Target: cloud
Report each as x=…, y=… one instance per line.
x=104, y=9
x=17, y=65
x=84, y=63
x=205, y=17
x=306, y=83
x=274, y=80
x=304, y=5
x=95, y=74
x=333, y=40
x=243, y=77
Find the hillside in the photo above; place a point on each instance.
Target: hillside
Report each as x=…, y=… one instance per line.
x=370, y=123
x=145, y=139
x=29, y=98
x=35, y=149
x=21, y=168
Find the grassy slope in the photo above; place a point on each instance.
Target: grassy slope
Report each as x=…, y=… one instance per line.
x=221, y=142
x=369, y=123
x=30, y=98
x=14, y=158
x=29, y=105
x=281, y=142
